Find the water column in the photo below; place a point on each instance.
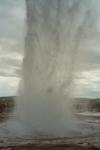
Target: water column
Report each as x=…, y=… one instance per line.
x=44, y=103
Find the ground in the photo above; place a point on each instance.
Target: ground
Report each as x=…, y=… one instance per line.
x=76, y=143
x=49, y=146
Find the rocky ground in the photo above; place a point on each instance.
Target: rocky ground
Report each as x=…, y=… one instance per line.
x=91, y=142
x=48, y=145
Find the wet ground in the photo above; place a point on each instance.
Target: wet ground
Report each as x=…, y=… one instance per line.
x=52, y=147
x=13, y=137
x=86, y=143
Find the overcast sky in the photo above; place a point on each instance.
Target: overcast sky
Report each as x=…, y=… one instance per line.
x=12, y=27
x=12, y=31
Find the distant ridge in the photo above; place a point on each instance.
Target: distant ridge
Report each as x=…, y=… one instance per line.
x=4, y=98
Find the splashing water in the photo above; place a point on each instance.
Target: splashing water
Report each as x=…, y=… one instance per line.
x=53, y=33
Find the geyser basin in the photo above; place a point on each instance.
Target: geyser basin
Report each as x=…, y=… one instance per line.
x=14, y=135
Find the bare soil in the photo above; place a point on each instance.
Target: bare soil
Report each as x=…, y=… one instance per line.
x=51, y=147
x=81, y=143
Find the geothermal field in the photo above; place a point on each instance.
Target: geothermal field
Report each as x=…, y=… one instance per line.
x=47, y=114
x=13, y=134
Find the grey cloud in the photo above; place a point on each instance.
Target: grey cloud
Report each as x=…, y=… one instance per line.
x=10, y=65
x=12, y=15
x=12, y=27
x=8, y=86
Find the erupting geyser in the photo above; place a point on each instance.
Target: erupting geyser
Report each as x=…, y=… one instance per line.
x=44, y=104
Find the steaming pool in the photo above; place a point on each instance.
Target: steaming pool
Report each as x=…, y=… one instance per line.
x=13, y=134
